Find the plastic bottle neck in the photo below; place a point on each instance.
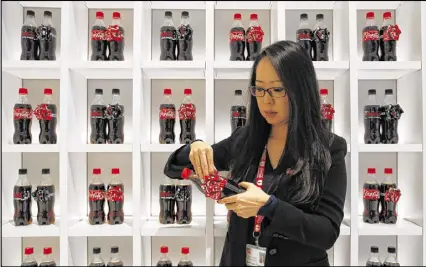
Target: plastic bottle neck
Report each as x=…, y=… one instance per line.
x=115, y=99
x=372, y=178
x=184, y=257
x=184, y=20
x=386, y=22
x=96, y=179
x=303, y=24
x=23, y=99
x=324, y=99
x=47, y=258
x=116, y=22
x=237, y=23
x=29, y=258
x=164, y=257
x=30, y=21
x=372, y=100
x=389, y=100
x=115, y=257
x=254, y=23
x=187, y=99
x=46, y=180
x=115, y=179
x=47, y=21
x=320, y=24
x=168, y=21
x=47, y=99
x=238, y=101
x=99, y=22
x=98, y=100
x=167, y=99
x=374, y=257
x=96, y=258
x=391, y=258
x=370, y=22
x=23, y=180
x=388, y=179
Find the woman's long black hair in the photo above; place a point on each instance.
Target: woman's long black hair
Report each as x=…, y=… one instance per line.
x=308, y=141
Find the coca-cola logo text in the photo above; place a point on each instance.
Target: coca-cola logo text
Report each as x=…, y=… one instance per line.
x=167, y=195
x=187, y=112
x=167, y=35
x=255, y=34
x=392, y=33
x=235, y=36
x=22, y=113
x=304, y=36
x=96, y=114
x=372, y=114
x=98, y=35
x=22, y=195
x=370, y=35
x=371, y=194
x=28, y=35
x=167, y=113
x=115, y=193
x=96, y=195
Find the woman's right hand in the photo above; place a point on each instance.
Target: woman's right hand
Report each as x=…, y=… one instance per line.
x=201, y=157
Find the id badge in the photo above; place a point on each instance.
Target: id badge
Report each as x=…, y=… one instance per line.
x=255, y=256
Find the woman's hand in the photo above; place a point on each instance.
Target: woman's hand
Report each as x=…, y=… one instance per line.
x=246, y=204
x=201, y=157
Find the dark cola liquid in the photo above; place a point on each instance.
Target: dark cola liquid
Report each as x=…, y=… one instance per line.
x=96, y=203
x=167, y=123
x=185, y=264
x=254, y=42
x=29, y=43
x=115, y=124
x=304, y=38
x=98, y=122
x=45, y=198
x=164, y=263
x=373, y=263
x=184, y=47
x=320, y=43
x=115, y=263
x=98, y=43
x=168, y=43
x=187, y=123
x=237, y=43
x=48, y=126
x=22, y=121
x=391, y=264
x=97, y=264
x=115, y=198
x=116, y=43
x=371, y=196
x=48, y=263
x=370, y=43
x=47, y=38
x=389, y=128
x=388, y=208
x=167, y=204
x=372, y=124
x=387, y=47
x=22, y=205
x=29, y=264
x=183, y=204
x=238, y=117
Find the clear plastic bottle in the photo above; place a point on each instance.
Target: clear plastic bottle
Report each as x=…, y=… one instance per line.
x=184, y=260
x=238, y=111
x=372, y=119
x=391, y=259
x=29, y=38
x=187, y=118
x=371, y=197
x=98, y=119
x=47, y=38
x=115, y=38
x=45, y=198
x=168, y=38
x=115, y=198
x=22, y=200
x=47, y=116
x=387, y=42
x=389, y=125
x=370, y=38
x=164, y=258
x=96, y=198
x=167, y=119
x=115, y=113
x=254, y=38
x=99, y=43
x=304, y=34
x=184, y=35
x=22, y=118
x=237, y=39
x=374, y=259
x=115, y=259
x=97, y=258
x=388, y=208
x=47, y=259
x=320, y=40
x=327, y=110
x=29, y=259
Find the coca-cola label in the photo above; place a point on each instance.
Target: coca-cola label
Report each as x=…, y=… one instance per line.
x=321, y=35
x=167, y=195
x=183, y=31
x=327, y=111
x=371, y=194
x=187, y=112
x=115, y=193
x=183, y=194
x=43, y=194
x=370, y=35
x=42, y=112
x=168, y=35
x=167, y=113
x=304, y=36
x=97, y=114
x=22, y=113
x=392, y=33
x=22, y=195
x=238, y=114
x=98, y=35
x=96, y=195
x=113, y=33
x=28, y=35
x=392, y=195
x=255, y=34
x=371, y=114
x=236, y=36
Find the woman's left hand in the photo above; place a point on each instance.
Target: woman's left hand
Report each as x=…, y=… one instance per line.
x=246, y=204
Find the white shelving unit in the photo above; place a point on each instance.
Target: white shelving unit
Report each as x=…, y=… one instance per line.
x=141, y=78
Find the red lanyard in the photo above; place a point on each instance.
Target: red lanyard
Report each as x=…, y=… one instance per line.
x=259, y=183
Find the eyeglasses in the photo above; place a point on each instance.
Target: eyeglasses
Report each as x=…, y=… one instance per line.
x=275, y=92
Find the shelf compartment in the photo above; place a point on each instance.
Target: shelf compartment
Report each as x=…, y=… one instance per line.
x=31, y=148
x=29, y=69
x=330, y=70
x=83, y=228
x=309, y=5
x=233, y=69
x=390, y=70
x=174, y=69
x=390, y=148
x=402, y=227
x=33, y=230
x=151, y=227
x=43, y=4
x=160, y=147
x=189, y=5
x=102, y=148
x=109, y=5
x=105, y=69
x=247, y=5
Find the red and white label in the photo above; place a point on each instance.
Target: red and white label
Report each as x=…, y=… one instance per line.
x=115, y=193
x=167, y=35
x=113, y=33
x=98, y=35
x=28, y=35
x=392, y=33
x=22, y=113
x=392, y=195
x=96, y=114
x=167, y=113
x=370, y=35
x=167, y=195
x=304, y=36
x=42, y=112
x=236, y=36
x=371, y=194
x=255, y=34
x=96, y=195
x=187, y=112
x=372, y=114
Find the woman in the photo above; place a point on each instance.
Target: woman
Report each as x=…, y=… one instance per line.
x=300, y=191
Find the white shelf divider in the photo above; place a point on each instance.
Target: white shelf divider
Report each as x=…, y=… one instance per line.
x=82, y=228
x=33, y=230
x=423, y=28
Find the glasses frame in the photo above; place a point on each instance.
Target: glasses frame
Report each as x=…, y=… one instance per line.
x=267, y=90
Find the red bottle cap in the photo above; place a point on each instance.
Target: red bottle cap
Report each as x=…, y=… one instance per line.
x=323, y=91
x=371, y=170
x=164, y=249
x=47, y=251
x=47, y=91
x=253, y=16
x=23, y=91
x=237, y=16
x=96, y=171
x=116, y=15
x=115, y=171
x=387, y=15
x=187, y=91
x=388, y=170
x=185, y=173
x=167, y=91
x=370, y=15
x=185, y=250
x=99, y=14
x=29, y=251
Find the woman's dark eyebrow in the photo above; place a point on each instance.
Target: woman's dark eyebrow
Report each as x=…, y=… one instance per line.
x=277, y=81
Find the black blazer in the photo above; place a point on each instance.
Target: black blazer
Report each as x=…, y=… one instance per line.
x=295, y=235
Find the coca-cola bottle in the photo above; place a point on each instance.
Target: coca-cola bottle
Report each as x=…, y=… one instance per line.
x=22, y=200
x=164, y=258
x=371, y=195
x=370, y=39
x=44, y=195
x=167, y=198
x=96, y=199
x=29, y=39
x=238, y=111
x=115, y=198
x=372, y=119
x=183, y=199
x=320, y=40
x=97, y=258
x=167, y=119
x=22, y=119
x=184, y=37
x=99, y=42
x=114, y=36
x=47, y=38
x=389, y=113
x=327, y=110
x=304, y=34
x=168, y=35
x=237, y=39
x=29, y=259
x=389, y=196
x=254, y=37
x=47, y=259
x=187, y=117
x=374, y=259
x=391, y=259
x=184, y=259
x=46, y=113
x=98, y=119
x=115, y=259
x=115, y=116
x=388, y=38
